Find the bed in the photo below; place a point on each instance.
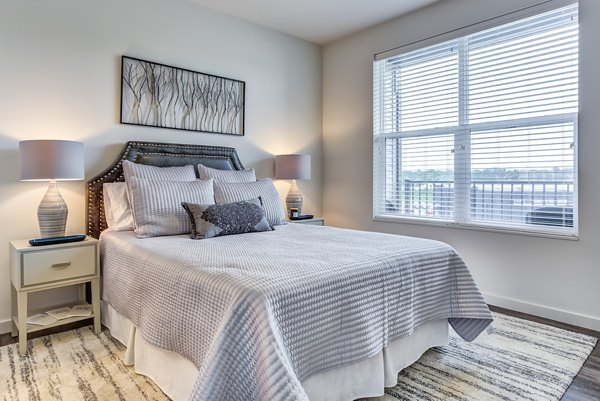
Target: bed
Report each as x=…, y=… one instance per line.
x=298, y=313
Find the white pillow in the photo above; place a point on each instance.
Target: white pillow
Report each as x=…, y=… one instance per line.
x=116, y=206
x=157, y=206
x=178, y=173
x=236, y=192
x=226, y=175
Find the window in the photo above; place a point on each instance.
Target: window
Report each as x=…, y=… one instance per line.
x=481, y=130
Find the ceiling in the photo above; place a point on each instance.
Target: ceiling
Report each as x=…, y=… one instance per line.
x=318, y=21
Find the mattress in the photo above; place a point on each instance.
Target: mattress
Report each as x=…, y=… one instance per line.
x=259, y=313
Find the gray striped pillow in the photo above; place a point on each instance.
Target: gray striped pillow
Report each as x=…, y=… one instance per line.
x=226, y=192
x=179, y=173
x=226, y=175
x=156, y=205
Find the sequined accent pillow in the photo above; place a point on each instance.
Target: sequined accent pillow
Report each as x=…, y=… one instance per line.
x=226, y=218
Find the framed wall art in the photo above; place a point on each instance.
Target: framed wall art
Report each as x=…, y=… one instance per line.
x=159, y=95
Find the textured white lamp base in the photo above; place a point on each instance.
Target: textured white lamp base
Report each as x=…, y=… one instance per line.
x=294, y=198
x=52, y=213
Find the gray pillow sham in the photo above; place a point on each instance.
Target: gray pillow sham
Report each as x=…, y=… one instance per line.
x=227, y=218
x=178, y=173
x=226, y=175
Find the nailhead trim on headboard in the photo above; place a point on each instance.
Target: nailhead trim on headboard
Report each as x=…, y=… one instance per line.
x=96, y=220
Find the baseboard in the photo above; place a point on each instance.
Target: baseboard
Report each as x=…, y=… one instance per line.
x=577, y=319
x=5, y=326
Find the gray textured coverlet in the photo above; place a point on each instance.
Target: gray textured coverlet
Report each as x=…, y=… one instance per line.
x=257, y=313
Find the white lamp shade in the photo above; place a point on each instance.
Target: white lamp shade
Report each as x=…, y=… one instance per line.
x=292, y=167
x=51, y=160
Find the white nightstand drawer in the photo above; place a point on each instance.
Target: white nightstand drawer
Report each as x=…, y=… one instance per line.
x=58, y=264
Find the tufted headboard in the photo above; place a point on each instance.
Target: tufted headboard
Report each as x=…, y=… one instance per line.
x=155, y=154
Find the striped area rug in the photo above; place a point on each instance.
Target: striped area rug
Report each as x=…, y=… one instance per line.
x=72, y=366
x=519, y=360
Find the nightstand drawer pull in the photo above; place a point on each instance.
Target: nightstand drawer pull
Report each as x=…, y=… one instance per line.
x=61, y=265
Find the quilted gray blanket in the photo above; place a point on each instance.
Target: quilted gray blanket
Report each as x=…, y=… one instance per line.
x=257, y=313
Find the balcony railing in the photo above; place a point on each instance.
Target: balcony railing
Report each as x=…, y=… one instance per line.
x=516, y=201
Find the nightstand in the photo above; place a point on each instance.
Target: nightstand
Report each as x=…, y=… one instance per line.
x=38, y=268
x=317, y=221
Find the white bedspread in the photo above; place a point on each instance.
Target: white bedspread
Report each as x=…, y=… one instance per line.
x=259, y=312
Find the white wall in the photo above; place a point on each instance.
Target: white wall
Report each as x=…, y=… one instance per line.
x=554, y=278
x=60, y=78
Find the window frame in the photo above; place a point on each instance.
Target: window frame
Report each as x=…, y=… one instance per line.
x=462, y=132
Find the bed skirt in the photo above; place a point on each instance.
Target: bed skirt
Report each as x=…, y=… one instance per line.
x=176, y=375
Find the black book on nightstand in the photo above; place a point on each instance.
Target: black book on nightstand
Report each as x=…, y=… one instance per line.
x=302, y=217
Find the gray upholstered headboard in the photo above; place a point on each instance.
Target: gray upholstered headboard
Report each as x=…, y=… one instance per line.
x=156, y=154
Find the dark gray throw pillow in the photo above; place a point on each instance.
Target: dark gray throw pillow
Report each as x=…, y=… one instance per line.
x=226, y=218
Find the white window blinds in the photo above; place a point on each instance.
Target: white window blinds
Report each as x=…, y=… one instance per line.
x=481, y=130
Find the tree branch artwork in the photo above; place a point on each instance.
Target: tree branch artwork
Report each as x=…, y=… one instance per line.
x=158, y=95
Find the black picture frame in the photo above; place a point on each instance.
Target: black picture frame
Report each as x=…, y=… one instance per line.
x=159, y=95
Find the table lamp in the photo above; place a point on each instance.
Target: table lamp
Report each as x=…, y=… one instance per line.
x=51, y=160
x=293, y=167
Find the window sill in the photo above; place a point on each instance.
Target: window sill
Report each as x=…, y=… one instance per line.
x=493, y=229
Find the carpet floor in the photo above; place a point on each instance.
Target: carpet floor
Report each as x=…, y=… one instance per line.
x=518, y=360
x=71, y=366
